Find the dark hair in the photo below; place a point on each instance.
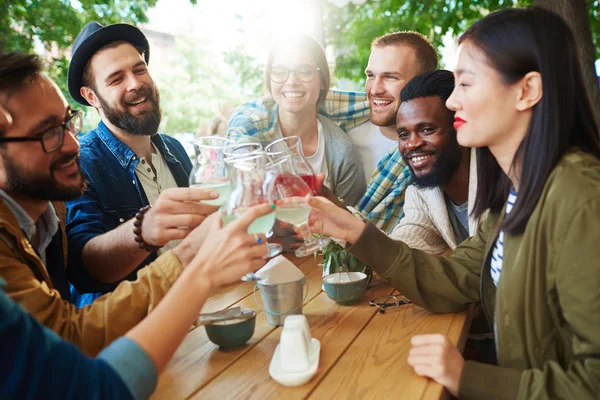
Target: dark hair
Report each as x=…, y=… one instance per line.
x=516, y=42
x=314, y=50
x=435, y=83
x=425, y=52
x=17, y=69
x=87, y=79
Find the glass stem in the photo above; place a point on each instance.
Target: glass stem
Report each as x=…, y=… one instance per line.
x=309, y=239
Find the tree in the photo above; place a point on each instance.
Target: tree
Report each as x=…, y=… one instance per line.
x=352, y=28
x=54, y=24
x=196, y=87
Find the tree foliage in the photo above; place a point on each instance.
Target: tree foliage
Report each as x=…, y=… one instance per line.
x=352, y=28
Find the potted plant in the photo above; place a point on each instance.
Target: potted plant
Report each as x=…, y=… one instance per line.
x=334, y=258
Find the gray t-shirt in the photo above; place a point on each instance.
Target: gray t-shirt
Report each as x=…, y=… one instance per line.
x=459, y=219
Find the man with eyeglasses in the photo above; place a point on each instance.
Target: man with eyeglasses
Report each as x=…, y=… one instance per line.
x=39, y=170
x=127, y=164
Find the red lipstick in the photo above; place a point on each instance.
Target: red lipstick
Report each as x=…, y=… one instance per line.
x=458, y=122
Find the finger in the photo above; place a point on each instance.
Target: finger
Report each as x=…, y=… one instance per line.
x=419, y=340
x=189, y=221
x=421, y=360
x=321, y=203
x=423, y=370
x=295, y=246
x=427, y=349
x=242, y=223
x=189, y=194
x=168, y=206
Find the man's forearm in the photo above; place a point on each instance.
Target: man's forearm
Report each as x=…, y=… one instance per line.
x=112, y=256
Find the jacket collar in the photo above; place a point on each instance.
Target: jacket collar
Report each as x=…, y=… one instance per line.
x=123, y=153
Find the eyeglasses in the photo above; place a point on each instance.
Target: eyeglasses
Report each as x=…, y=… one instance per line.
x=388, y=302
x=53, y=138
x=304, y=72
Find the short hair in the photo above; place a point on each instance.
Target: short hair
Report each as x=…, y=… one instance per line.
x=87, y=79
x=309, y=45
x=426, y=55
x=435, y=83
x=18, y=69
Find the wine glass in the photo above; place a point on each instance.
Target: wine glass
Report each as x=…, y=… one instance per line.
x=289, y=192
x=210, y=171
x=292, y=145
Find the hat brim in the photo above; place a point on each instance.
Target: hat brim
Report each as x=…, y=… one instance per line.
x=92, y=44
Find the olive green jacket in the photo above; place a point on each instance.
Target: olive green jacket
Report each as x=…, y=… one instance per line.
x=547, y=303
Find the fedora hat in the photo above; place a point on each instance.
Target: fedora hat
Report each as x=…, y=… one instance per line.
x=93, y=37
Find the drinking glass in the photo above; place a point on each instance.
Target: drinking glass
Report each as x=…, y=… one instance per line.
x=238, y=152
x=292, y=145
x=209, y=170
x=289, y=192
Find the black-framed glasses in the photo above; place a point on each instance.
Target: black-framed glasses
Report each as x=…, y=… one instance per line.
x=384, y=303
x=304, y=72
x=53, y=138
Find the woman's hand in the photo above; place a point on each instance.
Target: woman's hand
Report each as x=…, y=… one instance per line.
x=229, y=253
x=328, y=219
x=435, y=357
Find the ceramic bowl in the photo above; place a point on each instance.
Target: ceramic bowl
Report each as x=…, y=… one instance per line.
x=233, y=333
x=345, y=287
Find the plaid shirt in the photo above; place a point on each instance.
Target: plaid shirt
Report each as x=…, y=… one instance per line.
x=383, y=201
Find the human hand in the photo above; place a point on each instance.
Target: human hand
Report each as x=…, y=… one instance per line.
x=227, y=253
x=435, y=357
x=176, y=212
x=329, y=219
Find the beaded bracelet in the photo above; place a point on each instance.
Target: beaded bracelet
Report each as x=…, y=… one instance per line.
x=137, y=231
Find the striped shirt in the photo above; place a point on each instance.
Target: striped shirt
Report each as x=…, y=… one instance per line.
x=498, y=253
x=383, y=201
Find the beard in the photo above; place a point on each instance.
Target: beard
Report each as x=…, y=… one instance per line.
x=42, y=187
x=378, y=119
x=443, y=169
x=145, y=124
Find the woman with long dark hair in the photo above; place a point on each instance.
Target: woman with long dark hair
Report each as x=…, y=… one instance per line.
x=534, y=263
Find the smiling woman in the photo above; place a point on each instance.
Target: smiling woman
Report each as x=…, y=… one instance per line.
x=297, y=79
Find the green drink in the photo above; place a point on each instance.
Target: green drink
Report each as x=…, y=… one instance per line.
x=296, y=214
x=261, y=225
x=223, y=188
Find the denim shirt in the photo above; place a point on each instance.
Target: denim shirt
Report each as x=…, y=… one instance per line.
x=113, y=196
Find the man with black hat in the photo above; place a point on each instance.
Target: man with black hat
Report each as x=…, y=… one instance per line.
x=128, y=165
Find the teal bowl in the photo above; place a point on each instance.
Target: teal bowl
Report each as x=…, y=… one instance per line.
x=233, y=333
x=345, y=287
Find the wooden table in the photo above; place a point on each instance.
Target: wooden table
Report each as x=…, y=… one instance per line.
x=363, y=352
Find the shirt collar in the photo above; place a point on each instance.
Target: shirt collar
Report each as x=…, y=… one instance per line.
x=27, y=224
x=123, y=153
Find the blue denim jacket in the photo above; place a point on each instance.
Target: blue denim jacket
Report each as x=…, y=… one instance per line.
x=114, y=195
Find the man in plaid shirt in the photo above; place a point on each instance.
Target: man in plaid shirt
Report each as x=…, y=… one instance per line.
x=369, y=118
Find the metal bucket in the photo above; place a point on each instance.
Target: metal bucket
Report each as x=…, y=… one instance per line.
x=281, y=300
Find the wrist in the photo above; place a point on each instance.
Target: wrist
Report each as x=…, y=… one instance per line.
x=138, y=224
x=355, y=231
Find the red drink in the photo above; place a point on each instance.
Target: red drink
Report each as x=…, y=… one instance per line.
x=311, y=181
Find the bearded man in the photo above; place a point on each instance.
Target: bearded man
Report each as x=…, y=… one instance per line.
x=438, y=204
x=128, y=165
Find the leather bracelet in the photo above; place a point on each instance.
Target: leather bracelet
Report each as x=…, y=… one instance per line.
x=137, y=231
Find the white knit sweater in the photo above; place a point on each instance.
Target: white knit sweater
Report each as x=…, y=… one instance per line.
x=426, y=225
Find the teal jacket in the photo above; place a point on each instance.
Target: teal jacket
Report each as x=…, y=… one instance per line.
x=547, y=303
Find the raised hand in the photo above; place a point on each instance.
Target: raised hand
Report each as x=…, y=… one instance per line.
x=176, y=212
x=226, y=254
x=435, y=357
x=328, y=219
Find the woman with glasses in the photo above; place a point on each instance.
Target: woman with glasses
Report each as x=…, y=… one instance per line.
x=520, y=100
x=297, y=80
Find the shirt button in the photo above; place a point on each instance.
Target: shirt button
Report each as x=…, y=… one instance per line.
x=143, y=161
x=149, y=170
x=133, y=182
x=154, y=179
x=121, y=220
x=134, y=158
